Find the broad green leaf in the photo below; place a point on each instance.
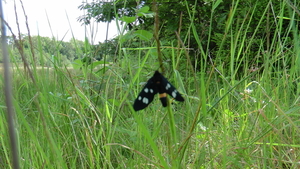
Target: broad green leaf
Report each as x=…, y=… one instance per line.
x=77, y=64
x=144, y=35
x=144, y=9
x=145, y=12
x=128, y=19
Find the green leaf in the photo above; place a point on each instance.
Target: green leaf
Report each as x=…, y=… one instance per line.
x=127, y=37
x=77, y=64
x=99, y=63
x=145, y=12
x=144, y=35
x=144, y=9
x=216, y=4
x=128, y=19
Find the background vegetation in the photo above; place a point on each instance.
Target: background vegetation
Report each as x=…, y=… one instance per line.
x=235, y=62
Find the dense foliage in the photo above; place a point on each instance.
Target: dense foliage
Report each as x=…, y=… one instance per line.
x=211, y=21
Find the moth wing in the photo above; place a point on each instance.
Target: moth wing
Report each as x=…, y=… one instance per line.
x=171, y=90
x=146, y=96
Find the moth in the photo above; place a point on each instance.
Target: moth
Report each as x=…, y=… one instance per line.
x=156, y=84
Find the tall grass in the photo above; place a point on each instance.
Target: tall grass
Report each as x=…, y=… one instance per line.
x=83, y=118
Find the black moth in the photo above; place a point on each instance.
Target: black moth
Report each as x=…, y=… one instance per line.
x=156, y=84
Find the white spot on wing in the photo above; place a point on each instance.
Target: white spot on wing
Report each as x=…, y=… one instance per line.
x=168, y=86
x=146, y=90
x=139, y=98
x=145, y=100
x=151, y=91
x=174, y=93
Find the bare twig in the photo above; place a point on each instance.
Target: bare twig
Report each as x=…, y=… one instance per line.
x=19, y=45
x=29, y=36
x=156, y=36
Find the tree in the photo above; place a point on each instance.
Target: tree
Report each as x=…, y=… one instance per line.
x=209, y=19
x=48, y=49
